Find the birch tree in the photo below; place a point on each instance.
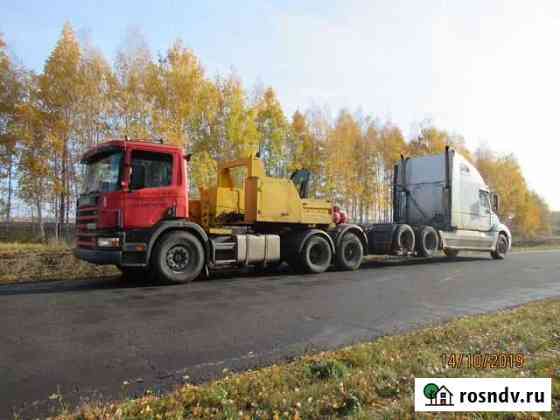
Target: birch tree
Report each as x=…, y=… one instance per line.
x=60, y=94
x=10, y=96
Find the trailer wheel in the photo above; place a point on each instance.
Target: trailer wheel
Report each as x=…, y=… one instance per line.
x=502, y=246
x=451, y=253
x=427, y=241
x=350, y=252
x=178, y=257
x=315, y=256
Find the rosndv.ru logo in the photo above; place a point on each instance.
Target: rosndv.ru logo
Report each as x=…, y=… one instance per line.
x=483, y=394
x=505, y=396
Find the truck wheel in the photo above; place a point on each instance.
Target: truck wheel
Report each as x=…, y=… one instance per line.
x=451, y=253
x=404, y=239
x=178, y=257
x=349, y=253
x=502, y=246
x=427, y=241
x=316, y=255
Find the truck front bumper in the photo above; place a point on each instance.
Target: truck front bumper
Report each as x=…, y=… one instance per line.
x=98, y=256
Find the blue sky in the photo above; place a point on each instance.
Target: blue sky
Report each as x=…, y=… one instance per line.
x=488, y=70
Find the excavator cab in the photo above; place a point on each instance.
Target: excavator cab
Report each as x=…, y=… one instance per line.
x=301, y=179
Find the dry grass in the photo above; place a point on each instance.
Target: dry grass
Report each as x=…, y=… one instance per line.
x=537, y=244
x=21, y=247
x=366, y=381
x=21, y=262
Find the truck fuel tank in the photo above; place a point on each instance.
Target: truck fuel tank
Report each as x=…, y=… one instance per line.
x=257, y=249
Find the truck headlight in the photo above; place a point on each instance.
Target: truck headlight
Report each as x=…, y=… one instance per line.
x=108, y=242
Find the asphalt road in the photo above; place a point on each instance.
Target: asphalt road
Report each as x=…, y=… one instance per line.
x=85, y=338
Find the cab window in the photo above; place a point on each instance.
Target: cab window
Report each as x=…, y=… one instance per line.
x=153, y=170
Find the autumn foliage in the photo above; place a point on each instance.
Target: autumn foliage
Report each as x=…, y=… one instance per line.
x=47, y=120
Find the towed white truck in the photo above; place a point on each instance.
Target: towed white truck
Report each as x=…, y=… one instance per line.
x=440, y=202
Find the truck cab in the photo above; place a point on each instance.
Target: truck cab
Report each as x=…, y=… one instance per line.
x=128, y=188
x=447, y=193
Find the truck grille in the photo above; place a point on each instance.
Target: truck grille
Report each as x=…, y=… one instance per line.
x=85, y=238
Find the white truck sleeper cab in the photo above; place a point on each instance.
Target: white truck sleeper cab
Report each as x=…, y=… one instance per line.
x=447, y=192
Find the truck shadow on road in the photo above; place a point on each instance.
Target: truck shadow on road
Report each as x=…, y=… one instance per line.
x=74, y=285
x=400, y=261
x=117, y=283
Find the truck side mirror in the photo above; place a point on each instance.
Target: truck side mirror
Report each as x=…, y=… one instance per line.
x=138, y=177
x=495, y=202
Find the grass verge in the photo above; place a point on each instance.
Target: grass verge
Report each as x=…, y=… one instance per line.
x=364, y=381
x=21, y=262
x=537, y=244
x=8, y=248
x=543, y=247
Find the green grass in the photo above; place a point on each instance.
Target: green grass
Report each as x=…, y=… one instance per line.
x=365, y=381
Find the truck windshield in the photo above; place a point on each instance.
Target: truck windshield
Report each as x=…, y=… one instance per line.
x=102, y=173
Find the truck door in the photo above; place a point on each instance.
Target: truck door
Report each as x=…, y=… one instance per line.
x=485, y=220
x=485, y=215
x=152, y=192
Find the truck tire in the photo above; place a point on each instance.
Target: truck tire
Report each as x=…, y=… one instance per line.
x=349, y=253
x=178, y=257
x=404, y=240
x=451, y=253
x=315, y=256
x=427, y=241
x=502, y=246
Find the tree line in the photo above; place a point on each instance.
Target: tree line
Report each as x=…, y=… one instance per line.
x=48, y=120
